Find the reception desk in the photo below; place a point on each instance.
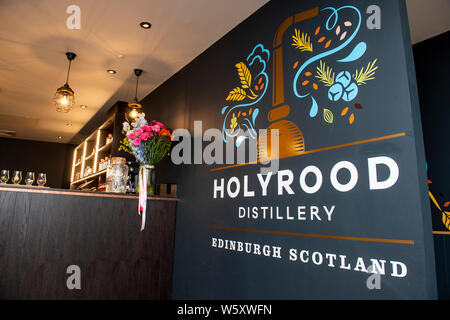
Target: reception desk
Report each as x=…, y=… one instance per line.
x=44, y=231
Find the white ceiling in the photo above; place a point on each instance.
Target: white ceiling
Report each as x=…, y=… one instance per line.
x=428, y=18
x=34, y=37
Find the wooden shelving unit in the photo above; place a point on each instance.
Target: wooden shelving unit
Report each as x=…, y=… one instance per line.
x=86, y=173
x=89, y=177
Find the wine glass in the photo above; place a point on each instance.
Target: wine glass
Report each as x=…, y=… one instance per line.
x=41, y=179
x=17, y=177
x=29, y=178
x=4, y=176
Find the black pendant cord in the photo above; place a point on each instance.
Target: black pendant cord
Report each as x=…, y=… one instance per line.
x=70, y=56
x=68, y=72
x=137, y=72
x=137, y=83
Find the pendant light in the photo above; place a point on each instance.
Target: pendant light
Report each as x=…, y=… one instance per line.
x=64, y=96
x=133, y=106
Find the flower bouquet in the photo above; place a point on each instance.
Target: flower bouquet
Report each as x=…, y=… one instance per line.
x=149, y=143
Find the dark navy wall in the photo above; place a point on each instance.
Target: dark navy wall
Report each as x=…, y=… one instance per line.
x=432, y=62
x=385, y=109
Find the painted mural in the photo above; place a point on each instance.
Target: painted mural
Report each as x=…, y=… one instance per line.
x=321, y=70
x=441, y=205
x=344, y=214
x=242, y=116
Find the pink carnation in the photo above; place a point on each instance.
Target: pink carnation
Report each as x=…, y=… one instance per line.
x=154, y=122
x=138, y=132
x=137, y=142
x=131, y=136
x=144, y=136
x=146, y=128
x=156, y=128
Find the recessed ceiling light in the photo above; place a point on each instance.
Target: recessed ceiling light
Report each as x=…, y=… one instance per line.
x=111, y=71
x=83, y=106
x=59, y=137
x=145, y=25
x=68, y=124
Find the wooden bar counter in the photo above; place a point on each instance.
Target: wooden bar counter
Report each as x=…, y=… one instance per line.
x=44, y=231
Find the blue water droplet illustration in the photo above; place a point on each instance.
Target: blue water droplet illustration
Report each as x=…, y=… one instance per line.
x=224, y=109
x=357, y=53
x=314, y=108
x=254, y=115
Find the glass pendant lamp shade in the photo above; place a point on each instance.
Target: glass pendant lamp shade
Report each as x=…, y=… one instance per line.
x=133, y=107
x=64, y=97
x=132, y=110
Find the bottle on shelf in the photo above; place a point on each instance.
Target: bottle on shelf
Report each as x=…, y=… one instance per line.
x=109, y=138
x=87, y=171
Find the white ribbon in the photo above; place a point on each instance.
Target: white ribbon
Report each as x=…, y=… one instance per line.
x=142, y=205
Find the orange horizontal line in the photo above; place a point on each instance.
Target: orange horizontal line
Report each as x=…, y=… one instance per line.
x=441, y=232
x=411, y=242
x=392, y=136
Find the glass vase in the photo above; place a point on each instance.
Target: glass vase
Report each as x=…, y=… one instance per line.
x=151, y=178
